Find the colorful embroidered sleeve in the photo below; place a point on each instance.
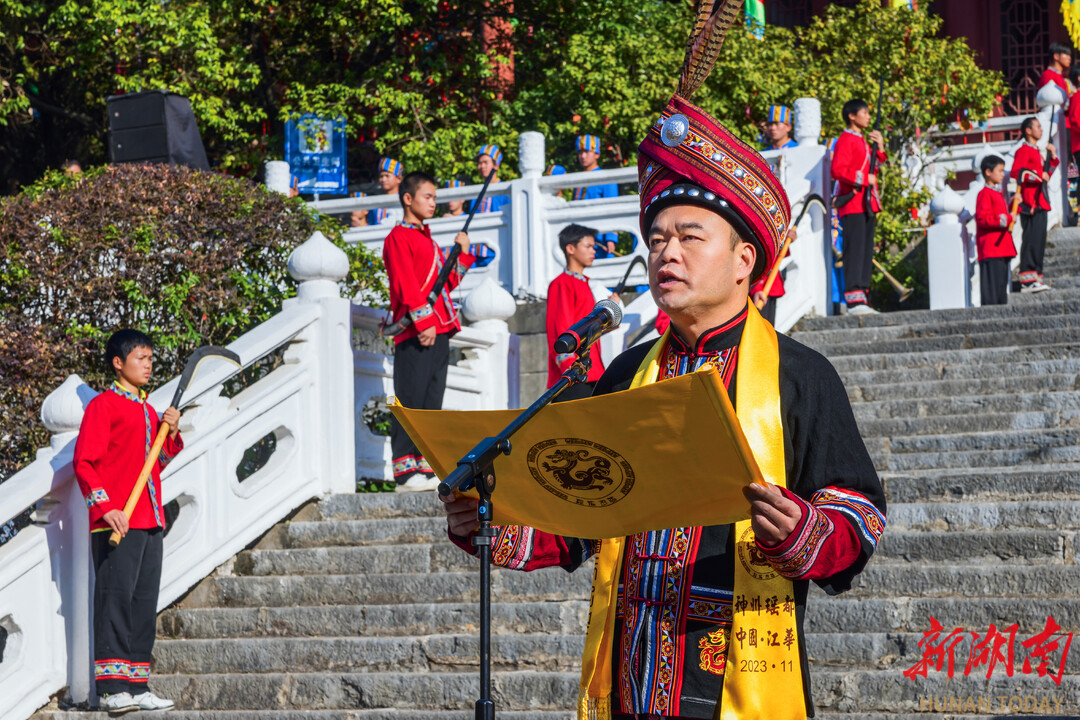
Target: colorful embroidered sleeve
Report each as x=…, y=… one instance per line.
x=464, y=262
x=825, y=542
x=519, y=547
x=405, y=277
x=90, y=451
x=170, y=449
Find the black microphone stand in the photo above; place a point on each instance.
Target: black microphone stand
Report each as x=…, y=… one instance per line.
x=477, y=469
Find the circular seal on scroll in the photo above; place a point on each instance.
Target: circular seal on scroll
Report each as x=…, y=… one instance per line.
x=752, y=559
x=581, y=471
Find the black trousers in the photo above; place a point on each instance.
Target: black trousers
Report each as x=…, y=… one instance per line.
x=1032, y=245
x=126, y=583
x=419, y=382
x=858, y=231
x=994, y=280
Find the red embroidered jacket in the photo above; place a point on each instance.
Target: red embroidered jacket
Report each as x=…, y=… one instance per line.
x=1027, y=168
x=851, y=171
x=569, y=299
x=111, y=451
x=413, y=261
x=991, y=219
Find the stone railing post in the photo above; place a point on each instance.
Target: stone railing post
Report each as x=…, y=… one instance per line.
x=278, y=176
x=946, y=256
x=807, y=121
x=319, y=266
x=527, y=229
x=63, y=515
x=487, y=309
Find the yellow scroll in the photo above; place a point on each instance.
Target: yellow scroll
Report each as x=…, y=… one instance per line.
x=608, y=466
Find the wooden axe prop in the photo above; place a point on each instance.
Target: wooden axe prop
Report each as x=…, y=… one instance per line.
x=204, y=353
x=447, y=268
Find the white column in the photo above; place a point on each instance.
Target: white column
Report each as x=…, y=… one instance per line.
x=487, y=309
x=807, y=121
x=320, y=265
x=278, y=176
x=946, y=257
x=1051, y=100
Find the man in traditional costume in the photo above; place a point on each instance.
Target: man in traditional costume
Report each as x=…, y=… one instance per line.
x=703, y=622
x=588, y=152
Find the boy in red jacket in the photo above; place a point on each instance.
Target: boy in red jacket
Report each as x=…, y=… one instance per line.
x=1028, y=169
x=421, y=351
x=117, y=430
x=569, y=299
x=851, y=171
x=992, y=236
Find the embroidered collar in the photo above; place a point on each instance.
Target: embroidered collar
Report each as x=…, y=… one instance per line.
x=856, y=133
x=120, y=390
x=413, y=226
x=579, y=276
x=715, y=340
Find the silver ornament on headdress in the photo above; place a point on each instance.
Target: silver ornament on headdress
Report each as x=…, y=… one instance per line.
x=675, y=130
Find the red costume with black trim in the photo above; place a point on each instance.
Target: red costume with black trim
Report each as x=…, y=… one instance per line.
x=1050, y=75
x=115, y=435
x=991, y=219
x=413, y=261
x=1027, y=169
x=117, y=432
x=569, y=299
x=851, y=170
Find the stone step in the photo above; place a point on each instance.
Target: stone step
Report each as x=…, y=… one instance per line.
x=865, y=692
x=565, y=616
x=365, y=506
x=1055, y=438
x=335, y=533
x=964, y=459
x=996, y=581
x=512, y=691
x=435, y=653
x=372, y=559
x=1042, y=482
x=1065, y=403
x=945, y=424
x=995, y=516
x=992, y=548
x=965, y=388
x=350, y=714
x=1044, y=319
x=952, y=343
x=849, y=613
x=1004, y=356
x=967, y=371
x=282, y=591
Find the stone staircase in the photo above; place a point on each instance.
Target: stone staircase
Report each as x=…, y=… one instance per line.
x=358, y=607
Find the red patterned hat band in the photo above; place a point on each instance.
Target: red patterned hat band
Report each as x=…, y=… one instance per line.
x=686, y=150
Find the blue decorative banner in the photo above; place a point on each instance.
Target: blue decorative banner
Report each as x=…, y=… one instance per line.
x=315, y=151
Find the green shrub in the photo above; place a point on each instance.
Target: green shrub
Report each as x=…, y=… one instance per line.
x=190, y=257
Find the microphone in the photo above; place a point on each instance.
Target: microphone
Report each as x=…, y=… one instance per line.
x=605, y=317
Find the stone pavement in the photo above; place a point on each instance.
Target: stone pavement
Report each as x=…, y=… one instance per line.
x=358, y=607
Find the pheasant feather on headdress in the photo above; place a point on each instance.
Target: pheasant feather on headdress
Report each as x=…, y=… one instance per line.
x=713, y=18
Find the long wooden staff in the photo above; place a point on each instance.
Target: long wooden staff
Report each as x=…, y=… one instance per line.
x=783, y=248
x=193, y=362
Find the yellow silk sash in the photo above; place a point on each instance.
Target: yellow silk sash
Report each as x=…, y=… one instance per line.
x=762, y=672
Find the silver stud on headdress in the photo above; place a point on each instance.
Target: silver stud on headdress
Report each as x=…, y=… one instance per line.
x=675, y=130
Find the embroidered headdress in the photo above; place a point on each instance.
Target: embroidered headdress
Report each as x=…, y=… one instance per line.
x=391, y=166
x=492, y=151
x=779, y=113
x=587, y=142
x=690, y=157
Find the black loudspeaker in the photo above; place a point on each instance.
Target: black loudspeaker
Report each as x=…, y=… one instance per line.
x=154, y=127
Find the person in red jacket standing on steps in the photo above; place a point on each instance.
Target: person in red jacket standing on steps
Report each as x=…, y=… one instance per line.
x=422, y=350
x=116, y=435
x=1032, y=176
x=993, y=238
x=851, y=171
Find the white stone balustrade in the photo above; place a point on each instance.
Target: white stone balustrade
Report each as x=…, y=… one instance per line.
x=524, y=234
x=45, y=570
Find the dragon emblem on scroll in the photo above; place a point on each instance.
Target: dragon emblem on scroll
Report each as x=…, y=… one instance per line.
x=581, y=471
